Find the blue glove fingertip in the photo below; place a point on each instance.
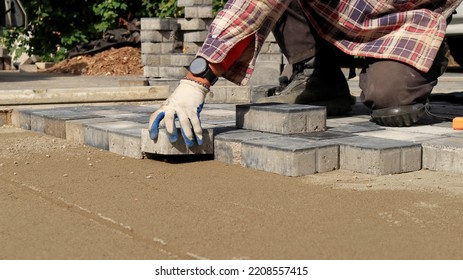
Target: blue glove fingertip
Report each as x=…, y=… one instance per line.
x=155, y=126
x=188, y=142
x=199, y=140
x=174, y=136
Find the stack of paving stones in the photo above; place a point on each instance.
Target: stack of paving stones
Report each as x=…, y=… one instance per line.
x=169, y=45
x=291, y=140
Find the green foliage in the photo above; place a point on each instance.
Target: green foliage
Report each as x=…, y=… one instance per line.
x=55, y=26
x=218, y=5
x=109, y=11
x=168, y=8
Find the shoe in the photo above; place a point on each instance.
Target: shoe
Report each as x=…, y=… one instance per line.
x=312, y=85
x=399, y=116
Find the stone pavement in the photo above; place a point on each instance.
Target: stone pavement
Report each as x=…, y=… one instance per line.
x=268, y=137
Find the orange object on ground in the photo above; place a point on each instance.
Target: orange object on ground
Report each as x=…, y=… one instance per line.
x=457, y=123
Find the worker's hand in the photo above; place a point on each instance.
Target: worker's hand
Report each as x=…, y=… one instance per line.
x=185, y=103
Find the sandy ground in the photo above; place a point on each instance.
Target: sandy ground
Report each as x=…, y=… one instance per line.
x=63, y=201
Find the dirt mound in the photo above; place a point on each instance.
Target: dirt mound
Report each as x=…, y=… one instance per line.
x=112, y=62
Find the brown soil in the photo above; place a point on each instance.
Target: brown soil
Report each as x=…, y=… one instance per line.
x=60, y=200
x=112, y=62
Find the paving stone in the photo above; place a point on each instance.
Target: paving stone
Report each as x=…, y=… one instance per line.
x=259, y=91
x=96, y=134
x=229, y=107
x=136, y=118
x=155, y=60
x=164, y=72
x=157, y=48
x=424, y=129
x=444, y=154
x=323, y=135
x=181, y=59
x=189, y=3
x=21, y=118
x=167, y=59
x=158, y=24
x=75, y=129
x=135, y=82
x=53, y=122
x=193, y=24
x=194, y=36
x=342, y=121
x=290, y=156
x=266, y=73
x=354, y=128
x=154, y=36
x=191, y=47
x=281, y=118
x=399, y=135
x=126, y=142
x=5, y=117
x=227, y=145
x=162, y=146
x=378, y=156
x=228, y=94
x=200, y=11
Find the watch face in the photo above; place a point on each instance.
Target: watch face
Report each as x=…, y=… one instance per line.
x=198, y=66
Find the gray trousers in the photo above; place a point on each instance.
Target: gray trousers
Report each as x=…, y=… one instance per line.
x=384, y=83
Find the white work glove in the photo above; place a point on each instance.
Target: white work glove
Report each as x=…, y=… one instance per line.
x=185, y=103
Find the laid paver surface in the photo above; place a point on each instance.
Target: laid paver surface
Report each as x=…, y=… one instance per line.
x=359, y=145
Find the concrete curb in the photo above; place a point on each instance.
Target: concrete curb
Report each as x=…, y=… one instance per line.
x=83, y=95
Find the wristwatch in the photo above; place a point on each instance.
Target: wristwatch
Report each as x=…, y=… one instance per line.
x=199, y=67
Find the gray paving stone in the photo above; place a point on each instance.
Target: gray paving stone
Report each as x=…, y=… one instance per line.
x=378, y=156
x=154, y=36
x=158, y=24
x=75, y=129
x=162, y=146
x=400, y=135
x=259, y=91
x=323, y=135
x=191, y=47
x=281, y=118
x=227, y=145
x=356, y=128
x=202, y=11
x=189, y=3
x=229, y=107
x=193, y=24
x=164, y=72
x=157, y=48
x=126, y=142
x=290, y=156
x=5, y=117
x=194, y=36
x=96, y=134
x=228, y=94
x=21, y=118
x=444, y=154
x=342, y=121
x=424, y=129
x=53, y=122
x=266, y=73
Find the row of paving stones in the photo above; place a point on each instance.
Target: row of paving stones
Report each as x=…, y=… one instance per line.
x=292, y=140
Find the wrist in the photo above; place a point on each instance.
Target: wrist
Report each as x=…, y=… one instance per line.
x=200, y=81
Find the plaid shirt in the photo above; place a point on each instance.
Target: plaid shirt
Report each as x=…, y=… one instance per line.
x=409, y=31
